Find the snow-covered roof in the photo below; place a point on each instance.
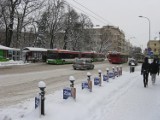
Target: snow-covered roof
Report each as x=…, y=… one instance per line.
x=35, y=49
x=5, y=48
x=8, y=48
x=16, y=49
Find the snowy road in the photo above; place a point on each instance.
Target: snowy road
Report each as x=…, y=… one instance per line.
x=19, y=83
x=122, y=98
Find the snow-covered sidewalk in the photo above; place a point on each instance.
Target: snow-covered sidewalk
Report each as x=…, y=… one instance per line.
x=11, y=63
x=122, y=98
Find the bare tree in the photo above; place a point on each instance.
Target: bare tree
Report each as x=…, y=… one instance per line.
x=55, y=13
x=135, y=50
x=42, y=25
x=25, y=14
x=8, y=13
x=85, y=33
x=17, y=14
x=1, y=19
x=71, y=19
x=75, y=34
x=105, y=41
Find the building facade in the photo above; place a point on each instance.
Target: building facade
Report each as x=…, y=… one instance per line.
x=111, y=38
x=154, y=46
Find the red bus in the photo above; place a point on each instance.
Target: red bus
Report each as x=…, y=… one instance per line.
x=117, y=57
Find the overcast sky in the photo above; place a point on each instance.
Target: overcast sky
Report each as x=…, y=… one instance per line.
x=124, y=14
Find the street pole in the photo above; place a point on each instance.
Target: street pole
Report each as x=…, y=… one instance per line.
x=42, y=86
x=149, y=26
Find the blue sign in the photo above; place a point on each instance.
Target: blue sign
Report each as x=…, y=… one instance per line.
x=116, y=73
x=111, y=75
x=37, y=102
x=85, y=85
x=150, y=52
x=149, y=49
x=66, y=93
x=96, y=81
x=105, y=78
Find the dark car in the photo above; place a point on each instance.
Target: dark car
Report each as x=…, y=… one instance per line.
x=83, y=64
x=133, y=62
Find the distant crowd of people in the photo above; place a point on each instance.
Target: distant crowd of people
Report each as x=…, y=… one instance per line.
x=150, y=68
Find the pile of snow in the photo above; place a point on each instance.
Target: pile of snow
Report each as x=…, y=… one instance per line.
x=11, y=63
x=122, y=98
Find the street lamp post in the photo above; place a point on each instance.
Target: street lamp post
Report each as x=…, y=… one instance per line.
x=149, y=26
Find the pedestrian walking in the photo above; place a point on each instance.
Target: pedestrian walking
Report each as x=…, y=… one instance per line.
x=158, y=62
x=145, y=69
x=26, y=57
x=154, y=70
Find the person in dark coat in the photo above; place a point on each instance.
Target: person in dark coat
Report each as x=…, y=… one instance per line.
x=145, y=71
x=26, y=57
x=154, y=69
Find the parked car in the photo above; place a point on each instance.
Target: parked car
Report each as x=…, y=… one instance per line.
x=83, y=64
x=133, y=62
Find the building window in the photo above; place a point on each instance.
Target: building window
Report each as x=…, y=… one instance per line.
x=155, y=44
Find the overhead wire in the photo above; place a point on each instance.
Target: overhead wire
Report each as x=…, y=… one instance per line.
x=92, y=12
x=102, y=21
x=97, y=15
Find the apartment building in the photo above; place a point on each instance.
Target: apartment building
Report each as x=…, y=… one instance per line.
x=154, y=46
x=113, y=36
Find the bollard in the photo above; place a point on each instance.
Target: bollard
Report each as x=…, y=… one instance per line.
x=117, y=70
x=132, y=67
x=100, y=80
x=121, y=70
x=113, y=69
x=42, y=86
x=106, y=77
x=73, y=90
x=107, y=70
x=89, y=81
x=71, y=79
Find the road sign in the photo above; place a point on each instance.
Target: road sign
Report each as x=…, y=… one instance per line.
x=37, y=102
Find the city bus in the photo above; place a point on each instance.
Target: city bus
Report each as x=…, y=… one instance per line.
x=117, y=57
x=98, y=57
x=94, y=56
x=60, y=56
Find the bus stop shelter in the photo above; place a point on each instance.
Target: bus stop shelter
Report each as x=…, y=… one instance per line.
x=9, y=53
x=34, y=54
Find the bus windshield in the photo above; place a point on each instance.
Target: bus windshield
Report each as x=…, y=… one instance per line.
x=52, y=56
